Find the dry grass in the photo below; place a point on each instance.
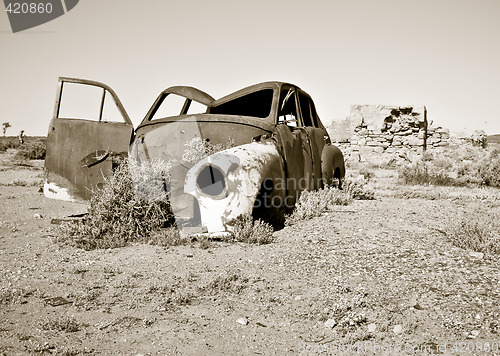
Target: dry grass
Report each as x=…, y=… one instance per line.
x=66, y=324
x=130, y=206
x=477, y=231
x=196, y=149
x=315, y=203
x=245, y=229
x=465, y=166
x=32, y=150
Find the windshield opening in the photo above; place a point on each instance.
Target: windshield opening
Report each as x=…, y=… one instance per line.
x=256, y=104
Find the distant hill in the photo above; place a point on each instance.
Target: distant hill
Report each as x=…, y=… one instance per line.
x=494, y=138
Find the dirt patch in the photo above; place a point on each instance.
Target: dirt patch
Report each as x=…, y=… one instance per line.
x=375, y=272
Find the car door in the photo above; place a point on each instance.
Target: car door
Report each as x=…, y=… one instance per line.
x=294, y=141
x=317, y=134
x=89, y=132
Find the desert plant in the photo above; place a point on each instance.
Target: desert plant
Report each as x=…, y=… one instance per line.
x=477, y=231
x=314, y=203
x=245, y=229
x=130, y=206
x=66, y=324
x=32, y=150
x=197, y=149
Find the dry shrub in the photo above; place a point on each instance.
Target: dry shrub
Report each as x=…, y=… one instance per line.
x=32, y=150
x=245, y=229
x=197, y=149
x=130, y=206
x=66, y=324
x=478, y=231
x=463, y=166
x=314, y=203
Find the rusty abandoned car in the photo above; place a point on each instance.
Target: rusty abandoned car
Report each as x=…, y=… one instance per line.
x=273, y=147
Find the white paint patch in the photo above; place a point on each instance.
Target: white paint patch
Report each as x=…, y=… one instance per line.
x=52, y=191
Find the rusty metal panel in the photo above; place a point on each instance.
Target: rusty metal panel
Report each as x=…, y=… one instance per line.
x=69, y=142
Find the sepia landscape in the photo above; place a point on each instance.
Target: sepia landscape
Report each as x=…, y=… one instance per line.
x=406, y=255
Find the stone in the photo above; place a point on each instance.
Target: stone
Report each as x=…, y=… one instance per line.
x=372, y=327
x=242, y=321
x=37, y=216
x=398, y=329
x=478, y=255
x=330, y=323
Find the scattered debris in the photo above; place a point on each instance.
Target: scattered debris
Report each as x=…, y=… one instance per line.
x=398, y=329
x=330, y=323
x=56, y=301
x=478, y=255
x=242, y=321
x=372, y=327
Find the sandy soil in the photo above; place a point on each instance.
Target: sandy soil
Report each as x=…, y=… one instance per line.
x=372, y=274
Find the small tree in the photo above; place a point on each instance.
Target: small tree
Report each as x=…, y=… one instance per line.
x=5, y=126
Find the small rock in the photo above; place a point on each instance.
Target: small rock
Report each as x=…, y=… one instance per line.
x=474, y=334
x=330, y=323
x=398, y=329
x=414, y=303
x=372, y=327
x=37, y=216
x=299, y=297
x=242, y=321
x=478, y=255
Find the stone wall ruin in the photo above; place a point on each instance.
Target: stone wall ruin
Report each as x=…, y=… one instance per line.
x=400, y=130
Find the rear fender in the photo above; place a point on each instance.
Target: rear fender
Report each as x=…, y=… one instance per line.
x=332, y=165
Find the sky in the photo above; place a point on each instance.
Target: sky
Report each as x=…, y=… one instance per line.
x=444, y=54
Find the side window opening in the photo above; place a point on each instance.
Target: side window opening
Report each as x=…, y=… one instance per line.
x=288, y=108
x=175, y=105
x=88, y=102
x=305, y=109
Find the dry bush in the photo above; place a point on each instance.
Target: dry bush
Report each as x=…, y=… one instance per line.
x=66, y=324
x=463, y=166
x=32, y=150
x=196, y=149
x=245, y=229
x=130, y=206
x=478, y=231
x=314, y=203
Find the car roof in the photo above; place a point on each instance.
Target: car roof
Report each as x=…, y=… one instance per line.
x=252, y=88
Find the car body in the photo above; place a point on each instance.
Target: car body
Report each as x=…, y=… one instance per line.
x=279, y=147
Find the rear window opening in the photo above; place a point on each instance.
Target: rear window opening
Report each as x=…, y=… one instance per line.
x=256, y=104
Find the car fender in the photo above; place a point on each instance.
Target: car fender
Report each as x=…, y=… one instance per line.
x=244, y=169
x=332, y=165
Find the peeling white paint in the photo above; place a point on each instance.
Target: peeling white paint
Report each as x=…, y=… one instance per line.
x=52, y=191
x=242, y=167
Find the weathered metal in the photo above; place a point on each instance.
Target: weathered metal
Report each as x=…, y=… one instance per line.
x=279, y=148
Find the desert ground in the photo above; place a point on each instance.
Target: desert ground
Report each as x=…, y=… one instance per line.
x=376, y=276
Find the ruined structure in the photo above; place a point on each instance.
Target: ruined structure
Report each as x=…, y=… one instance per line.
x=401, y=130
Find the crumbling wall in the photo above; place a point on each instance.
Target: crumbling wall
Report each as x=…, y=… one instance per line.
x=400, y=130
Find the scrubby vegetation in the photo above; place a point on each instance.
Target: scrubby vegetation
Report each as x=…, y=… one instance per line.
x=315, y=203
x=196, y=149
x=130, y=206
x=250, y=231
x=32, y=150
x=467, y=166
x=477, y=231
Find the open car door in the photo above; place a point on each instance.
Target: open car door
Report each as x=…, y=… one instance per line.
x=89, y=132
